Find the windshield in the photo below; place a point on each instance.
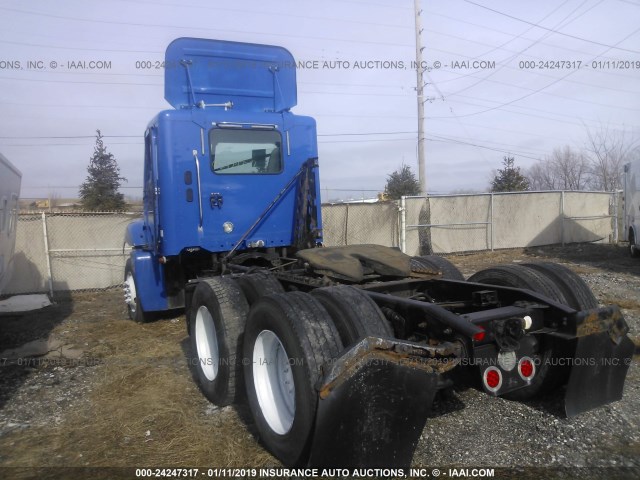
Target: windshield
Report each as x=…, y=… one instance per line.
x=245, y=151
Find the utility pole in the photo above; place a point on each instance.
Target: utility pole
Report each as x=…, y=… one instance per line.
x=420, y=93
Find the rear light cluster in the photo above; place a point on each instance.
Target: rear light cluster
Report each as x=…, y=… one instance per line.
x=493, y=376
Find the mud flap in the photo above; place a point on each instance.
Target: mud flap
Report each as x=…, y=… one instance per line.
x=373, y=404
x=598, y=373
x=601, y=360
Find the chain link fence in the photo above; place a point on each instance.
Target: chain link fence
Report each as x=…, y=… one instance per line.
x=69, y=251
x=360, y=223
x=84, y=251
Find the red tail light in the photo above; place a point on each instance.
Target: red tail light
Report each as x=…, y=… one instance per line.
x=492, y=379
x=478, y=337
x=526, y=368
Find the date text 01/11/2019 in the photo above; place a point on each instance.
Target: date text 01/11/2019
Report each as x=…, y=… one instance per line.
x=578, y=64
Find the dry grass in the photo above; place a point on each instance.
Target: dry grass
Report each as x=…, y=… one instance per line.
x=628, y=303
x=144, y=408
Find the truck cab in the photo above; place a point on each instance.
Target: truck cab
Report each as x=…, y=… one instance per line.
x=229, y=147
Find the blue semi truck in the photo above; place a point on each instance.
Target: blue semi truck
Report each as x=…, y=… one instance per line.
x=339, y=351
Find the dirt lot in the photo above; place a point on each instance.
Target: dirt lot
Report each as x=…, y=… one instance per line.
x=104, y=391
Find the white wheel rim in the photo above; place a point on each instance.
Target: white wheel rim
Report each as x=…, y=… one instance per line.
x=130, y=292
x=273, y=382
x=206, y=343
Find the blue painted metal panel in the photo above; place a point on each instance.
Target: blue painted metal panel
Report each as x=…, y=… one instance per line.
x=256, y=78
x=134, y=234
x=245, y=196
x=149, y=278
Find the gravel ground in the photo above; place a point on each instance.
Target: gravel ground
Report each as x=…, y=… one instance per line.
x=73, y=404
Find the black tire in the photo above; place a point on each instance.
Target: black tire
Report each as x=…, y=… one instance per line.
x=308, y=341
x=132, y=300
x=353, y=313
x=577, y=293
x=634, y=251
x=433, y=262
x=218, y=316
x=256, y=285
x=518, y=276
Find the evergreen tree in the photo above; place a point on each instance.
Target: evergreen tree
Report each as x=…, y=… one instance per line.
x=402, y=182
x=99, y=192
x=509, y=178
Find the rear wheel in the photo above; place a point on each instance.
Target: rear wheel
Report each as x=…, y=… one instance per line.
x=518, y=276
x=218, y=316
x=131, y=298
x=353, y=313
x=289, y=339
x=577, y=293
x=256, y=285
x=430, y=263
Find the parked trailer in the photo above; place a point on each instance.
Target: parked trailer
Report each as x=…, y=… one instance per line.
x=340, y=351
x=632, y=206
x=10, y=178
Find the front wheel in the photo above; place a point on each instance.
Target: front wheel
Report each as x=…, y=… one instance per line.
x=131, y=298
x=288, y=341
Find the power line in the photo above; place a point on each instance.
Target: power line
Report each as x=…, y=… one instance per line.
x=436, y=138
x=68, y=137
x=552, y=30
x=510, y=35
x=70, y=186
x=538, y=90
x=530, y=114
x=80, y=81
x=343, y=134
x=482, y=146
x=413, y=139
x=453, y=112
x=83, y=145
x=191, y=28
x=618, y=107
x=527, y=30
x=272, y=13
x=599, y=87
x=511, y=147
x=492, y=73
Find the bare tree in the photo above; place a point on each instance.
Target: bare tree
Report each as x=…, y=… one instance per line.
x=541, y=176
x=608, y=150
x=564, y=169
x=571, y=167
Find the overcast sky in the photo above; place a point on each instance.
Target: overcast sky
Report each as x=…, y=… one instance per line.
x=367, y=117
